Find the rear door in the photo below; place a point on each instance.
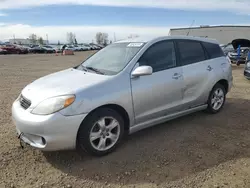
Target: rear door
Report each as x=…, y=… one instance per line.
x=197, y=72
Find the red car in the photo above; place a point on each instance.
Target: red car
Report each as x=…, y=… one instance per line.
x=11, y=49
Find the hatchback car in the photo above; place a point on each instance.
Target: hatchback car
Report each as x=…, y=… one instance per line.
x=125, y=87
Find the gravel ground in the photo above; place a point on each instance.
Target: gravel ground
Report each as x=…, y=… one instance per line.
x=198, y=150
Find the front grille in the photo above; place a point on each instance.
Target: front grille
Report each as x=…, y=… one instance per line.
x=25, y=103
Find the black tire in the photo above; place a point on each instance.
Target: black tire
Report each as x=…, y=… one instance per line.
x=83, y=142
x=210, y=108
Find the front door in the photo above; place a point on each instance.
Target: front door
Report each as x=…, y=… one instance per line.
x=158, y=94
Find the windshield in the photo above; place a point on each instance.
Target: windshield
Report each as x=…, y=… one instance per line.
x=113, y=58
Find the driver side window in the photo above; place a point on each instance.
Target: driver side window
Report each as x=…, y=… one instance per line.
x=160, y=56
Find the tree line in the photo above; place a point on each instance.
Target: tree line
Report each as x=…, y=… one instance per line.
x=101, y=38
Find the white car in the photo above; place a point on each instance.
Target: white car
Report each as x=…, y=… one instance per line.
x=70, y=47
x=86, y=47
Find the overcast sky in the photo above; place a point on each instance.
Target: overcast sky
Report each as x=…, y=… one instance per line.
x=122, y=17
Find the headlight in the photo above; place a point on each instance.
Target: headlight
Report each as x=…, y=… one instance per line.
x=248, y=65
x=54, y=104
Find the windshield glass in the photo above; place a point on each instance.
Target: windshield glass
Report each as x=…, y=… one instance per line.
x=113, y=58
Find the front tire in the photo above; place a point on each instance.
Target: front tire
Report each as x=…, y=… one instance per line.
x=101, y=132
x=216, y=99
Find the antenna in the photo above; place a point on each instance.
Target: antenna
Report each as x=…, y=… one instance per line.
x=190, y=27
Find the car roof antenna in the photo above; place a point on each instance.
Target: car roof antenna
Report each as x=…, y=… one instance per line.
x=190, y=27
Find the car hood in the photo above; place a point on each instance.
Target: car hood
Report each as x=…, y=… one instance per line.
x=241, y=42
x=69, y=81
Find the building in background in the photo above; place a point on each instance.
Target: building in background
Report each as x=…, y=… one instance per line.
x=224, y=33
x=25, y=41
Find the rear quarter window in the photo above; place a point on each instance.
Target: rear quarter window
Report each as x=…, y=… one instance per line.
x=213, y=50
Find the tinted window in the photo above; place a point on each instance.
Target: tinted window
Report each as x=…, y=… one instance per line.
x=214, y=50
x=190, y=52
x=159, y=56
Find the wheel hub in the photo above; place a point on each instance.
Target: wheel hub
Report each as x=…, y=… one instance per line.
x=105, y=133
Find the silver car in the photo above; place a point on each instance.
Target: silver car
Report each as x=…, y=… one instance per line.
x=125, y=87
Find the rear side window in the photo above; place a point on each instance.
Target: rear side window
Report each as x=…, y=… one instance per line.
x=190, y=52
x=213, y=50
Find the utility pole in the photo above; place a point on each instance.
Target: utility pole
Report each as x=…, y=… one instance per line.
x=47, y=37
x=114, y=38
x=14, y=38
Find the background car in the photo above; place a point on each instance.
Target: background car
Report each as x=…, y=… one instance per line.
x=247, y=70
x=37, y=49
x=245, y=45
x=3, y=52
x=48, y=49
x=13, y=49
x=95, y=46
x=227, y=48
x=70, y=47
x=86, y=46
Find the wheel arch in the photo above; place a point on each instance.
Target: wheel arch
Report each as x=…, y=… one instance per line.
x=224, y=83
x=119, y=109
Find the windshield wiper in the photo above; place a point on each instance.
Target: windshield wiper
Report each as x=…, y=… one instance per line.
x=94, y=69
x=84, y=68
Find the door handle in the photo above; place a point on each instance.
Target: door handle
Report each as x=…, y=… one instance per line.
x=209, y=68
x=176, y=76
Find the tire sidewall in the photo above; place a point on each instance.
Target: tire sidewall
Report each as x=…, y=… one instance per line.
x=210, y=108
x=83, y=142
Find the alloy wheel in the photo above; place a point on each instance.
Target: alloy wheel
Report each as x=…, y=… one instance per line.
x=105, y=133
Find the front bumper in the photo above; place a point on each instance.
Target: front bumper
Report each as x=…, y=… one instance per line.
x=234, y=59
x=49, y=132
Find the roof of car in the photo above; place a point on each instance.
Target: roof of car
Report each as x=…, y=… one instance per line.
x=151, y=39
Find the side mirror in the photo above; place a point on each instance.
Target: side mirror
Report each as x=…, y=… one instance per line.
x=142, y=71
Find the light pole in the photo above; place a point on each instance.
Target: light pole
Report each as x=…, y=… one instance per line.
x=47, y=37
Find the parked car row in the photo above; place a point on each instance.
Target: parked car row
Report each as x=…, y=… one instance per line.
x=25, y=49
x=83, y=47
x=13, y=49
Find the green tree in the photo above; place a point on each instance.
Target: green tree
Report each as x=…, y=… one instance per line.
x=33, y=38
x=40, y=40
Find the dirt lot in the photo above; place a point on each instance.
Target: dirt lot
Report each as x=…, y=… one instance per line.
x=198, y=150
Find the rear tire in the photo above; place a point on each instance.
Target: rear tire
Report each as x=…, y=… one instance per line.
x=101, y=132
x=216, y=99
